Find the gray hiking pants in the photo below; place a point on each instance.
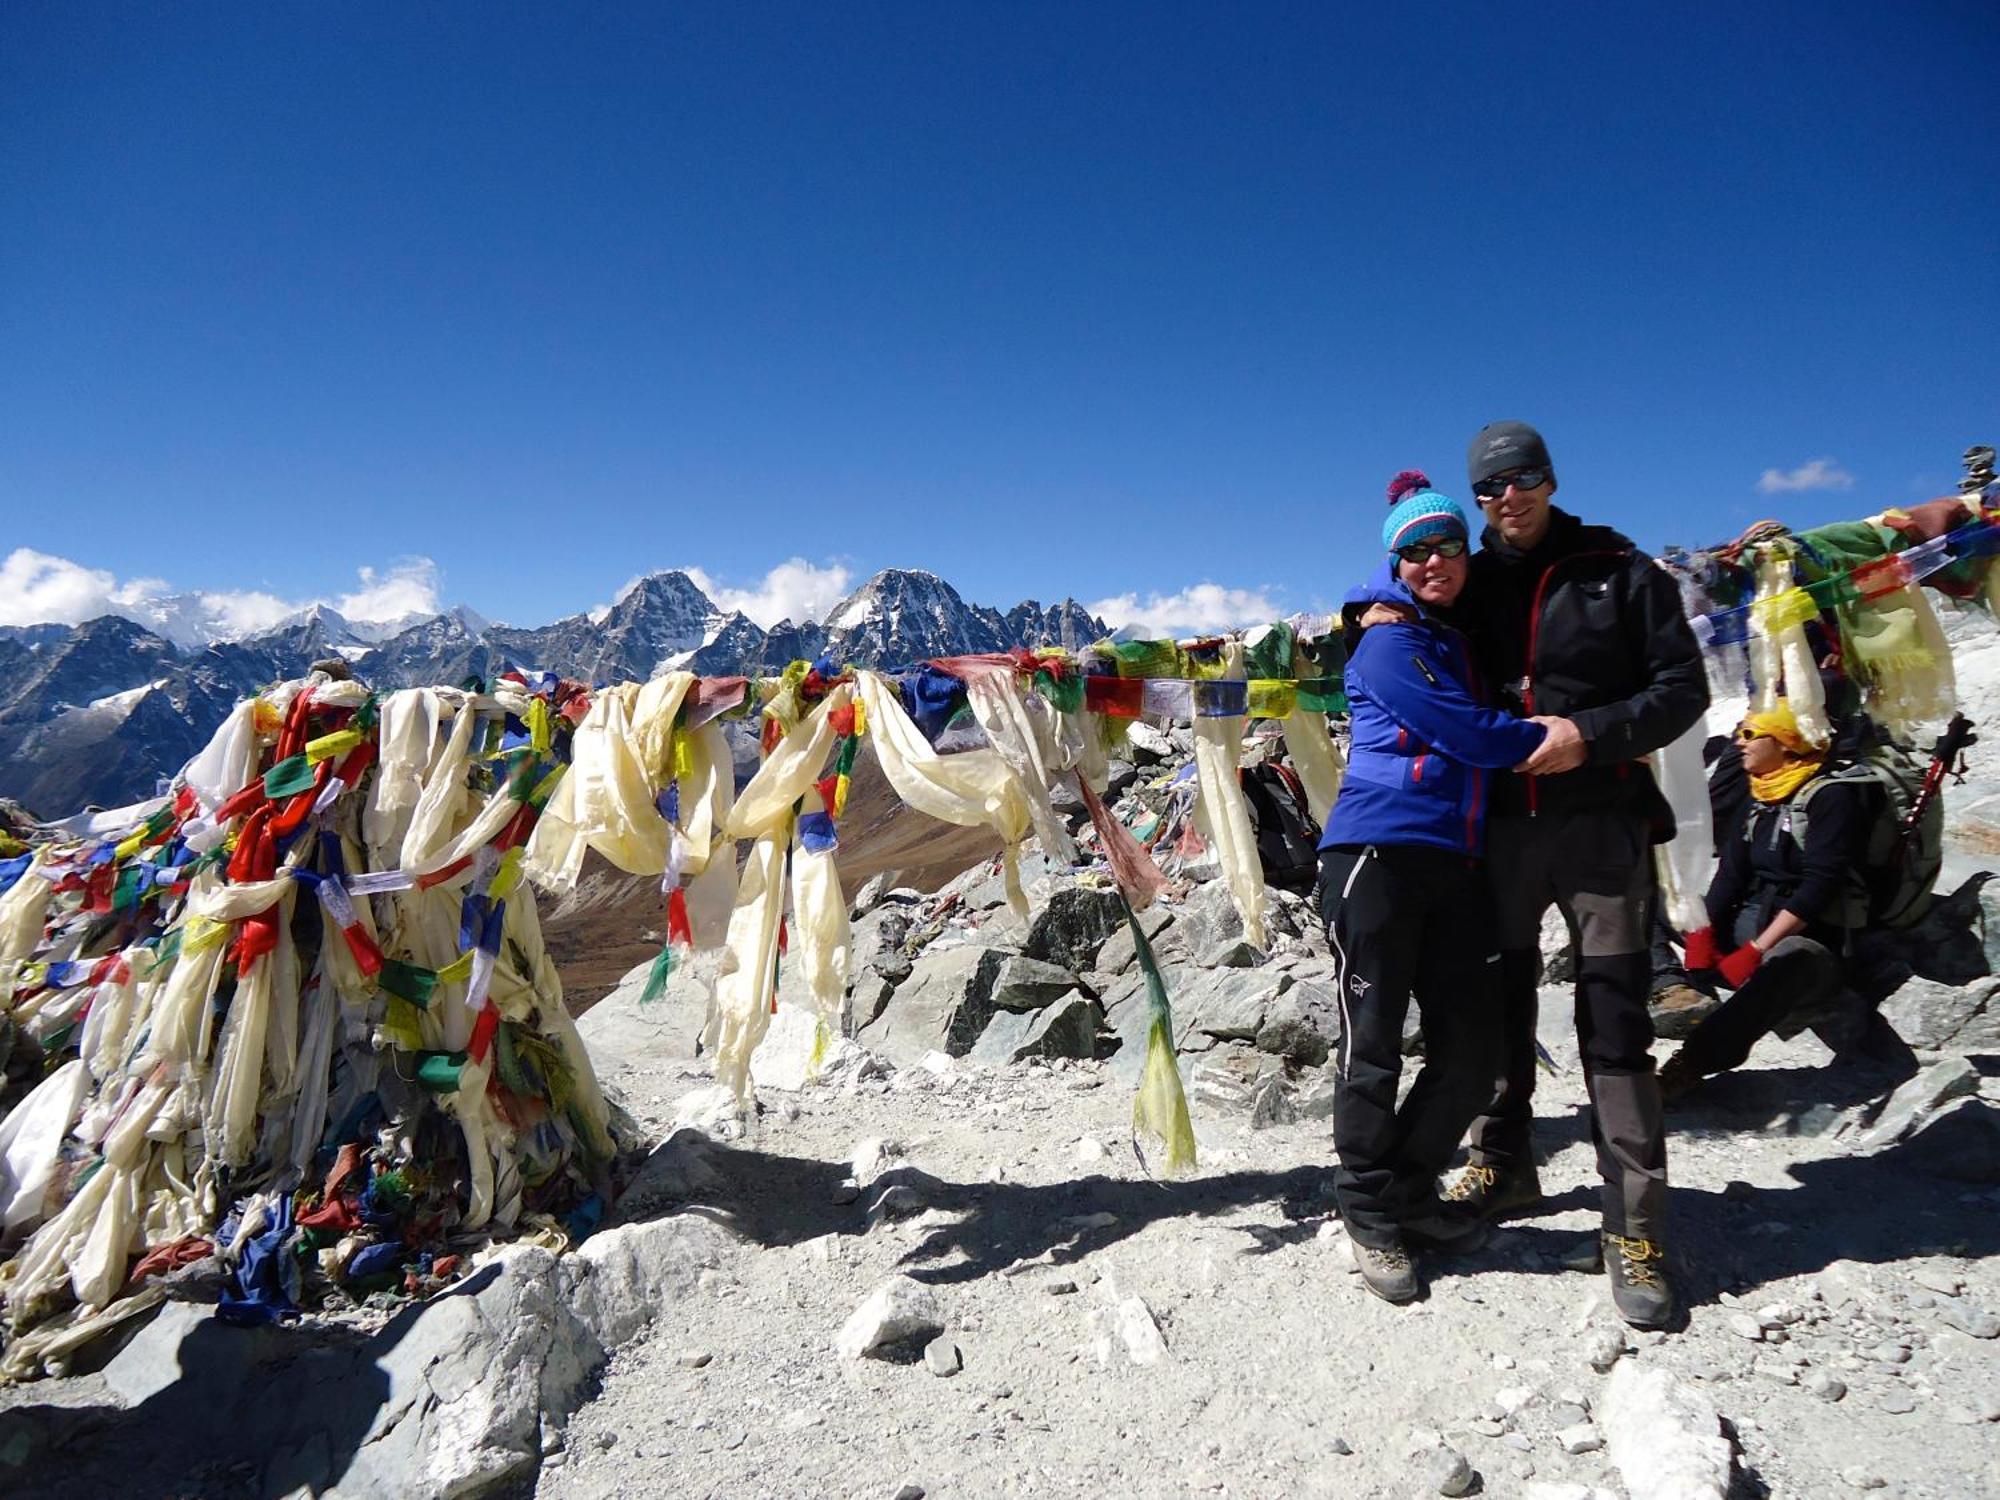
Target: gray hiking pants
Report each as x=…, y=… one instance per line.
x=1597, y=870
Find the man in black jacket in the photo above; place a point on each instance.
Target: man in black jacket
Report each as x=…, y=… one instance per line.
x=1576, y=626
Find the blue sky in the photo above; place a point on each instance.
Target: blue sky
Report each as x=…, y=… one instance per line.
x=508, y=304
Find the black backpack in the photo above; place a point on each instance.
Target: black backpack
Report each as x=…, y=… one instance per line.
x=1287, y=836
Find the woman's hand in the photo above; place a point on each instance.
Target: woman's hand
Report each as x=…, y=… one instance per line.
x=1387, y=614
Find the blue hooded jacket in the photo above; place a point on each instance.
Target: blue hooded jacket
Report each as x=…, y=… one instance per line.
x=1423, y=739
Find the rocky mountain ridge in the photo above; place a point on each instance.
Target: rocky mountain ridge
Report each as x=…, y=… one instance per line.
x=97, y=713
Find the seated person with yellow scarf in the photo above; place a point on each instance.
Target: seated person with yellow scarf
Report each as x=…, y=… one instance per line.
x=1782, y=899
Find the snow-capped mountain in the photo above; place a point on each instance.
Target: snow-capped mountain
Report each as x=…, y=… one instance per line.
x=99, y=712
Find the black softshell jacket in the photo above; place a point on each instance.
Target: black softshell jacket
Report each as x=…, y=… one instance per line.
x=1585, y=627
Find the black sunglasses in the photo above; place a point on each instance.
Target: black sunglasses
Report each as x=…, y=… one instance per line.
x=1423, y=552
x=1521, y=479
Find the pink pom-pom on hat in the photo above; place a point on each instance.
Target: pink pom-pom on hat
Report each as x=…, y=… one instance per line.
x=1408, y=482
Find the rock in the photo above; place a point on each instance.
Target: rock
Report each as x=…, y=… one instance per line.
x=1149, y=746
x=1120, y=952
x=1973, y=1322
x=1130, y=1018
x=1208, y=918
x=876, y=942
x=1568, y=1414
x=1940, y=1279
x=1302, y=1023
x=1937, y=1017
x=1448, y=1472
x=1604, y=1348
x=1315, y=1102
x=1897, y=1403
x=1951, y=1078
x=1233, y=1080
x=1128, y=1324
x=1029, y=984
x=898, y=1311
x=1230, y=1004
x=1961, y=1141
x=942, y=1357
x=870, y=1155
x=1665, y=1439
x=944, y=1006
x=899, y=1200
x=869, y=896
x=908, y=1492
x=845, y=1191
x=1340, y=1447
x=1856, y=1477
x=794, y=1052
x=1826, y=1386
x=1090, y=1152
x=1744, y=1326
x=1271, y=1106
x=1067, y=1028
x=1072, y=925
x=1583, y=1437
x=693, y=1359
x=715, y=1112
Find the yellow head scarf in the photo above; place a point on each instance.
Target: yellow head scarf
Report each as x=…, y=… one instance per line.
x=1803, y=759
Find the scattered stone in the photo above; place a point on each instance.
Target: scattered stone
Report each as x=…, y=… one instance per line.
x=1025, y=983
x=898, y=1311
x=1897, y=1403
x=908, y=1492
x=1302, y=1024
x=1937, y=1016
x=1090, y=1152
x=897, y=1201
x=794, y=1051
x=1945, y=1080
x=1744, y=1326
x=1128, y=1324
x=943, y=1006
x=1059, y=1286
x=1581, y=1438
x=693, y=1359
x=715, y=1112
x=1449, y=1473
x=871, y=1155
x=845, y=1191
x=1340, y=1446
x=1603, y=1349
x=1828, y=1387
x=1512, y=1398
x=1066, y=1027
x=1666, y=1440
x=1939, y=1279
x=1857, y=1478
x=1780, y=1315
x=1073, y=924
x=942, y=1357
x=1568, y=1414
x=1973, y=1322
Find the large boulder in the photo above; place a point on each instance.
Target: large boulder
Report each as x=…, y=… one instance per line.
x=1960, y=1141
x=1121, y=950
x=943, y=1006
x=1302, y=1023
x=1230, y=1004
x=1029, y=984
x=1067, y=1028
x=1944, y=1017
x=1941, y=1082
x=1072, y=925
x=1208, y=919
x=1664, y=1436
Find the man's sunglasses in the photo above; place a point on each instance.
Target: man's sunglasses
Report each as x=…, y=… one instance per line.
x=1521, y=479
x=1423, y=552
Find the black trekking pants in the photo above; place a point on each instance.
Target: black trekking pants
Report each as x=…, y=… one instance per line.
x=1406, y=921
x=1597, y=870
x=1797, y=977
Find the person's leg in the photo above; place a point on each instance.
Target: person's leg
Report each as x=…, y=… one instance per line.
x=1374, y=932
x=1796, y=974
x=1457, y=988
x=1606, y=889
x=1517, y=868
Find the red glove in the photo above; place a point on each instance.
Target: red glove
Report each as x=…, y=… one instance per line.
x=1701, y=949
x=1736, y=968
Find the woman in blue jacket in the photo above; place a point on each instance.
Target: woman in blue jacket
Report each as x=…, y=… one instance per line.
x=1406, y=904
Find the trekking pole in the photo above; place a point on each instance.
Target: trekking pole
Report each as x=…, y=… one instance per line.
x=1951, y=747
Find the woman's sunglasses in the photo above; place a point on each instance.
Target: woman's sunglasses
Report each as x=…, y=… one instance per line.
x=1423, y=552
x=1523, y=479
x=1745, y=734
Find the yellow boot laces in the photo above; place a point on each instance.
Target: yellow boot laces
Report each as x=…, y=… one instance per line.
x=1472, y=1180
x=1642, y=1258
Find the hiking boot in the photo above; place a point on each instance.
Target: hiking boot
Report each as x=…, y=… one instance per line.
x=1677, y=1079
x=1386, y=1271
x=1639, y=1287
x=1446, y=1227
x=1491, y=1192
x=1678, y=1009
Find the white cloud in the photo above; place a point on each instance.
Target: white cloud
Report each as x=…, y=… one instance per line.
x=1818, y=474
x=1204, y=608
x=409, y=587
x=38, y=587
x=795, y=590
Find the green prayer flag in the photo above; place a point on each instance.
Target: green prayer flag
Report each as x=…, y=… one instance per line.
x=439, y=1071
x=288, y=777
x=407, y=982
